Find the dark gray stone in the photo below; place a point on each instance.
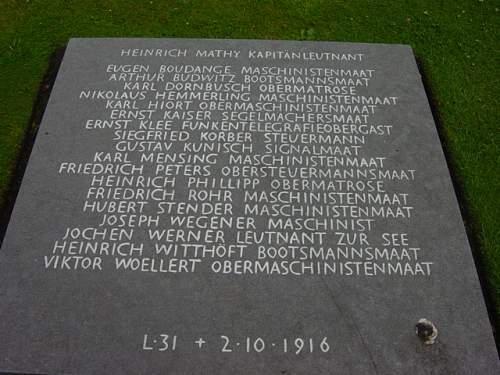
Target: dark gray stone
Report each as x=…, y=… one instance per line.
x=357, y=319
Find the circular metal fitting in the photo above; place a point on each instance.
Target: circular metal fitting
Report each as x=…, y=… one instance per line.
x=427, y=331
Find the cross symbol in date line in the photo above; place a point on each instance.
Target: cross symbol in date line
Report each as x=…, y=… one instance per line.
x=200, y=342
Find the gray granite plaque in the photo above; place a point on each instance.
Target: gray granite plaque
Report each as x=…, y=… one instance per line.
x=238, y=207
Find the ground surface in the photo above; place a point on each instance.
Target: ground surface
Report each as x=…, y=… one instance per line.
x=456, y=42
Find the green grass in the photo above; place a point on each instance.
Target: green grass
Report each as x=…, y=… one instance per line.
x=456, y=42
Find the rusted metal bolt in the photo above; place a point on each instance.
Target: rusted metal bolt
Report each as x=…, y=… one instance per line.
x=427, y=331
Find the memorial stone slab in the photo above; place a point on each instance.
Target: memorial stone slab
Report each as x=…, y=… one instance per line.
x=238, y=207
